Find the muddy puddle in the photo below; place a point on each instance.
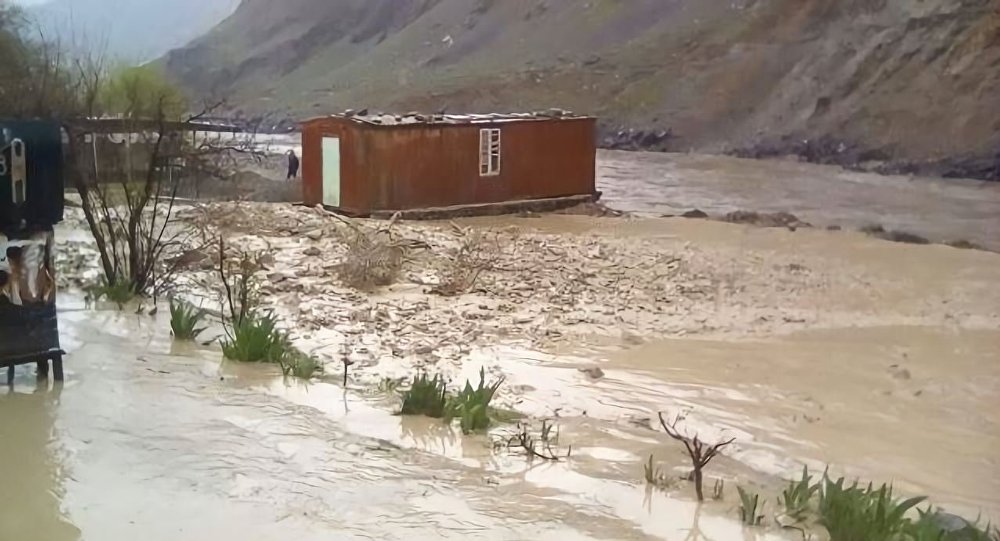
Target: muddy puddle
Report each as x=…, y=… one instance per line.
x=155, y=441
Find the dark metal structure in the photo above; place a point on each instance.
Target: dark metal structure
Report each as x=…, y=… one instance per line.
x=31, y=202
x=369, y=164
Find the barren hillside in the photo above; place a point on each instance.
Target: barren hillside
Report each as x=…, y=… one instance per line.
x=913, y=80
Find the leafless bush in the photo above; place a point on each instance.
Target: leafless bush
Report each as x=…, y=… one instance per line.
x=374, y=257
x=540, y=445
x=478, y=252
x=238, y=280
x=700, y=452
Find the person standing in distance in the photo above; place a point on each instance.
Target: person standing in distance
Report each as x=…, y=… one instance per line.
x=293, y=165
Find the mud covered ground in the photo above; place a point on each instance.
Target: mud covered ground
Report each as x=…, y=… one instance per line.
x=816, y=347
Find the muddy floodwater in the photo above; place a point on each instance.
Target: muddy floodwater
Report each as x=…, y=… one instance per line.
x=154, y=441
x=943, y=210
x=811, y=347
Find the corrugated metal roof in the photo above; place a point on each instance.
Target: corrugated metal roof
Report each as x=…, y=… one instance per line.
x=389, y=119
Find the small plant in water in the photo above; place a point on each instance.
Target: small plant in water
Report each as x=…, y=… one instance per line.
x=862, y=514
x=298, y=364
x=540, y=446
x=119, y=293
x=700, y=452
x=654, y=474
x=718, y=489
x=426, y=396
x=797, y=496
x=472, y=406
x=184, y=320
x=751, y=508
x=255, y=339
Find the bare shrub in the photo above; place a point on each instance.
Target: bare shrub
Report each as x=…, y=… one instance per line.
x=375, y=257
x=240, y=284
x=701, y=453
x=478, y=252
x=540, y=445
x=475, y=255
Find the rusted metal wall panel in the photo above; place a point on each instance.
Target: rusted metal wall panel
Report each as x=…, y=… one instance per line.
x=429, y=166
x=433, y=165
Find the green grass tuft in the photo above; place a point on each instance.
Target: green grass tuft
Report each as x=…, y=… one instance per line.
x=184, y=320
x=854, y=513
x=797, y=496
x=426, y=396
x=296, y=363
x=751, y=508
x=472, y=406
x=120, y=293
x=256, y=339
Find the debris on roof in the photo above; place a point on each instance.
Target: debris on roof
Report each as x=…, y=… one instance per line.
x=387, y=119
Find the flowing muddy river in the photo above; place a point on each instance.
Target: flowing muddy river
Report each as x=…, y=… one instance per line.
x=657, y=183
x=942, y=210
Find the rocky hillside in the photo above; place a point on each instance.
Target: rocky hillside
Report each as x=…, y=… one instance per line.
x=847, y=80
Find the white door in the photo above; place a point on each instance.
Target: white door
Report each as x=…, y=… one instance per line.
x=331, y=171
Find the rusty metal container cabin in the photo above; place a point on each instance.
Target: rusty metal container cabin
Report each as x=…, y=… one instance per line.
x=437, y=163
x=31, y=202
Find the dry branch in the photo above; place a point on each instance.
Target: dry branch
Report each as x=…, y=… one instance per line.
x=700, y=452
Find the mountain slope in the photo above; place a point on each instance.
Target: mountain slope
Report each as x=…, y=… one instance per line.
x=902, y=79
x=134, y=30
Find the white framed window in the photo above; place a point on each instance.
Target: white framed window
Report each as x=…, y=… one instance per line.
x=489, y=152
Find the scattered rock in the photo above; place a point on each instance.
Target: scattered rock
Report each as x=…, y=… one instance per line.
x=963, y=244
x=632, y=139
x=766, y=219
x=877, y=231
x=190, y=258
x=312, y=251
x=900, y=373
x=696, y=214
x=315, y=234
x=593, y=372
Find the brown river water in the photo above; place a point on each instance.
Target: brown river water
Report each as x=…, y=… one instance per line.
x=152, y=440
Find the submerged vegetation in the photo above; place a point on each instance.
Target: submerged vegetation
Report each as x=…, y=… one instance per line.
x=426, y=396
x=751, y=508
x=700, y=452
x=654, y=474
x=853, y=513
x=471, y=406
x=538, y=445
x=119, y=292
x=865, y=513
x=185, y=320
x=253, y=335
x=797, y=497
x=254, y=339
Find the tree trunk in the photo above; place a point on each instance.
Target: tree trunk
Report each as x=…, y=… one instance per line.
x=697, y=485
